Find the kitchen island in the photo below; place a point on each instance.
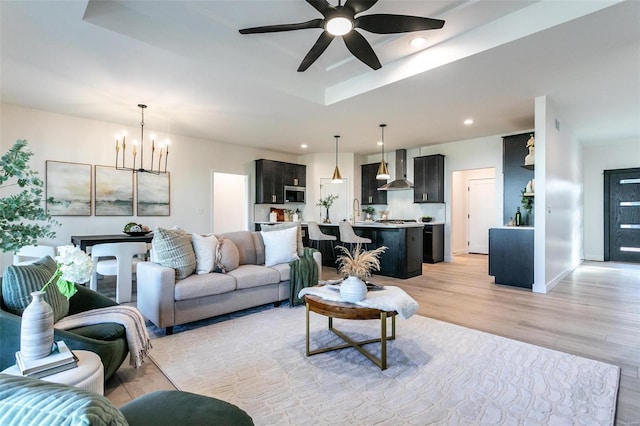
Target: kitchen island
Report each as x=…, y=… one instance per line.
x=404, y=242
x=403, y=257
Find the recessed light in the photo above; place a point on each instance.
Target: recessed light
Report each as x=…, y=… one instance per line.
x=380, y=143
x=468, y=121
x=418, y=42
x=303, y=146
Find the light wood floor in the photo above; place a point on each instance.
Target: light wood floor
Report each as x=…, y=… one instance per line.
x=594, y=312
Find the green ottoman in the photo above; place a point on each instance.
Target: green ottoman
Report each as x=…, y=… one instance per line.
x=182, y=408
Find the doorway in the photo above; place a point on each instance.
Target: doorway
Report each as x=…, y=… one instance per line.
x=622, y=215
x=473, y=210
x=230, y=202
x=481, y=208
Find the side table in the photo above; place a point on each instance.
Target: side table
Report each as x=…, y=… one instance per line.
x=88, y=375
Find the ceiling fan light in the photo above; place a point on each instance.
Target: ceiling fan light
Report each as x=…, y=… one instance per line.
x=339, y=26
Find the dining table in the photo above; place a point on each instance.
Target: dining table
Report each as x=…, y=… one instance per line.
x=84, y=241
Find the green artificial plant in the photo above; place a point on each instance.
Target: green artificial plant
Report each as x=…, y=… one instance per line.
x=23, y=218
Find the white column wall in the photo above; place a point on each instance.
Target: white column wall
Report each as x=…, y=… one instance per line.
x=558, y=207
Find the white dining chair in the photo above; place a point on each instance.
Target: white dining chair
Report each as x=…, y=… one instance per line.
x=123, y=264
x=29, y=254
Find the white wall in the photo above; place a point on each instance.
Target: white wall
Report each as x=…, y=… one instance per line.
x=595, y=159
x=191, y=162
x=558, y=204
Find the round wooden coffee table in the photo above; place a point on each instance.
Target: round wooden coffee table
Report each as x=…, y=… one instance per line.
x=350, y=311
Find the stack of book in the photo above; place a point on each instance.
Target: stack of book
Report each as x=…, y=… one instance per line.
x=60, y=359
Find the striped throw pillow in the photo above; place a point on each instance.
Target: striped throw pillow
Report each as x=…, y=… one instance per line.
x=27, y=401
x=174, y=250
x=18, y=281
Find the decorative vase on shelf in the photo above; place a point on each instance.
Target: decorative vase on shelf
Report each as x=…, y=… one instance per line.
x=353, y=289
x=36, y=330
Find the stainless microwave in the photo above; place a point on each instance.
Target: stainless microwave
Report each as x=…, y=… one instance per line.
x=294, y=194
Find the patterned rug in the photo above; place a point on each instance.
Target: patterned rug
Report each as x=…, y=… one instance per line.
x=438, y=373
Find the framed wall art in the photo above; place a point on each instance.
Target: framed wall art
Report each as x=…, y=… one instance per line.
x=153, y=194
x=113, y=191
x=69, y=185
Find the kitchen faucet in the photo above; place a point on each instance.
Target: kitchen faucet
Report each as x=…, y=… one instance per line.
x=356, y=210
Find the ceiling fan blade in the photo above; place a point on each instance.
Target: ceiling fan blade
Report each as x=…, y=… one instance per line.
x=392, y=24
x=360, y=5
x=320, y=46
x=361, y=49
x=322, y=6
x=314, y=23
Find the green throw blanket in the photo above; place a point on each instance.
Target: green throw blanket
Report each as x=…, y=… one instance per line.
x=304, y=273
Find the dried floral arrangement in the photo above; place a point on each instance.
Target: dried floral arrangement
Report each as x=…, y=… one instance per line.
x=360, y=263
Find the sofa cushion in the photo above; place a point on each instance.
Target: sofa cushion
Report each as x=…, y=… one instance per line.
x=26, y=401
x=227, y=256
x=246, y=247
x=172, y=248
x=19, y=281
x=196, y=286
x=284, y=270
x=248, y=276
x=279, y=246
x=279, y=226
x=205, y=247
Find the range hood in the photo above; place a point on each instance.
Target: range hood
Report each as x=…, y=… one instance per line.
x=400, y=183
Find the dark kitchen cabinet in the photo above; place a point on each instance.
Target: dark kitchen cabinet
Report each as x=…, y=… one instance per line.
x=269, y=182
x=295, y=174
x=370, y=185
x=433, y=251
x=428, y=183
x=273, y=176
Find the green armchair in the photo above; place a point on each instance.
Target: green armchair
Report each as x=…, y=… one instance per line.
x=27, y=401
x=107, y=340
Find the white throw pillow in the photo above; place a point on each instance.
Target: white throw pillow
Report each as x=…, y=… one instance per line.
x=205, y=248
x=280, y=246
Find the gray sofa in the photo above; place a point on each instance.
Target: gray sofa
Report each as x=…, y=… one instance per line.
x=166, y=301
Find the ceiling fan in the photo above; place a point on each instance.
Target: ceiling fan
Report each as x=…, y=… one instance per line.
x=340, y=21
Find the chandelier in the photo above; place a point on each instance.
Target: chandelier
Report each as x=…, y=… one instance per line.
x=163, y=153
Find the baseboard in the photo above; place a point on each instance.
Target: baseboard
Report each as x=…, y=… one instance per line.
x=554, y=282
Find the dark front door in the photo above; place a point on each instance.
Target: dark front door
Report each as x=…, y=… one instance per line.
x=622, y=215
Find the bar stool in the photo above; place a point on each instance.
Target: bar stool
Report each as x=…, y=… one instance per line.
x=123, y=266
x=348, y=236
x=315, y=234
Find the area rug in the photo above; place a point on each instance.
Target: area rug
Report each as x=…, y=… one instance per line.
x=438, y=373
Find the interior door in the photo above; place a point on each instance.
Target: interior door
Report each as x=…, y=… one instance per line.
x=481, y=205
x=622, y=215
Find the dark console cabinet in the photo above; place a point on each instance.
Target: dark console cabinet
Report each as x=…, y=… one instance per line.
x=428, y=184
x=433, y=251
x=370, y=185
x=511, y=256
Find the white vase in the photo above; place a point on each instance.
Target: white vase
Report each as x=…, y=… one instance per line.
x=353, y=289
x=36, y=330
